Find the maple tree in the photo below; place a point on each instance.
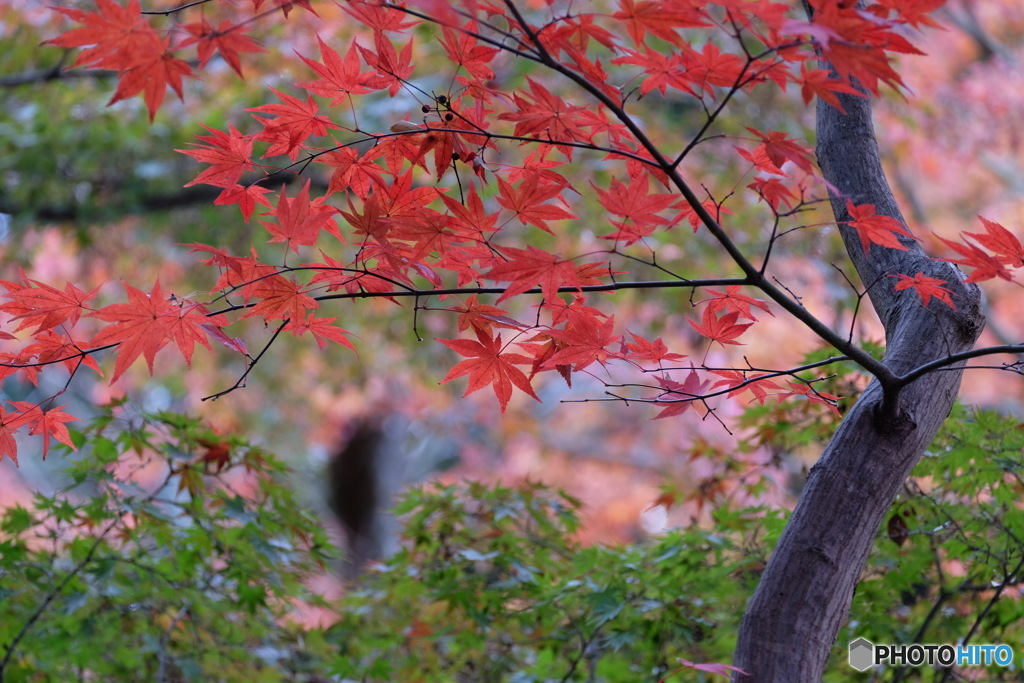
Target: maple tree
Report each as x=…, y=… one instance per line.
x=467, y=190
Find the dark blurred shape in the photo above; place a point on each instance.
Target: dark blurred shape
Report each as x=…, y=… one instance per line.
x=356, y=485
x=379, y=457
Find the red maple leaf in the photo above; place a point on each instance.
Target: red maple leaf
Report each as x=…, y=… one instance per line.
x=875, y=228
x=46, y=422
x=483, y=316
x=819, y=82
x=1001, y=242
x=119, y=35
x=813, y=395
x=299, y=220
x=354, y=171
x=985, y=265
x=472, y=217
x=712, y=67
x=739, y=381
x=464, y=50
x=659, y=19
x=152, y=77
x=546, y=116
x=402, y=199
x=527, y=202
x=733, y=300
x=246, y=196
x=635, y=202
x=296, y=120
x=680, y=396
x=914, y=12
x=280, y=299
x=722, y=329
x=855, y=43
x=570, y=312
x=140, y=327
x=10, y=423
x=392, y=67
x=585, y=342
x=228, y=39
x=488, y=364
x=688, y=213
x=773, y=191
x=530, y=267
x=537, y=164
x=776, y=149
x=339, y=78
x=663, y=71
x=645, y=350
x=147, y=323
x=43, y=305
x=50, y=347
x=322, y=329
x=926, y=288
x=230, y=153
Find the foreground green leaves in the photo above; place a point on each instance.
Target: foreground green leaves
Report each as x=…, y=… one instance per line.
x=178, y=554
x=174, y=555
x=491, y=587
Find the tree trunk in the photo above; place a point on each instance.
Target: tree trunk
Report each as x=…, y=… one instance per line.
x=804, y=596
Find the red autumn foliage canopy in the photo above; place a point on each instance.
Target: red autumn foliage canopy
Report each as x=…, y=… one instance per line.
x=426, y=207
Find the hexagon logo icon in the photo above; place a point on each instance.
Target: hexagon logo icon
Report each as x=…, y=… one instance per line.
x=862, y=653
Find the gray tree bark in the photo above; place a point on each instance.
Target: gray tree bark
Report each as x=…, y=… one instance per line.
x=804, y=596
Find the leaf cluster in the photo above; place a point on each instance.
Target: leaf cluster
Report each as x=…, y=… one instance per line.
x=186, y=576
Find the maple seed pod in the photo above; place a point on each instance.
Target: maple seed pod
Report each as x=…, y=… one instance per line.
x=404, y=127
